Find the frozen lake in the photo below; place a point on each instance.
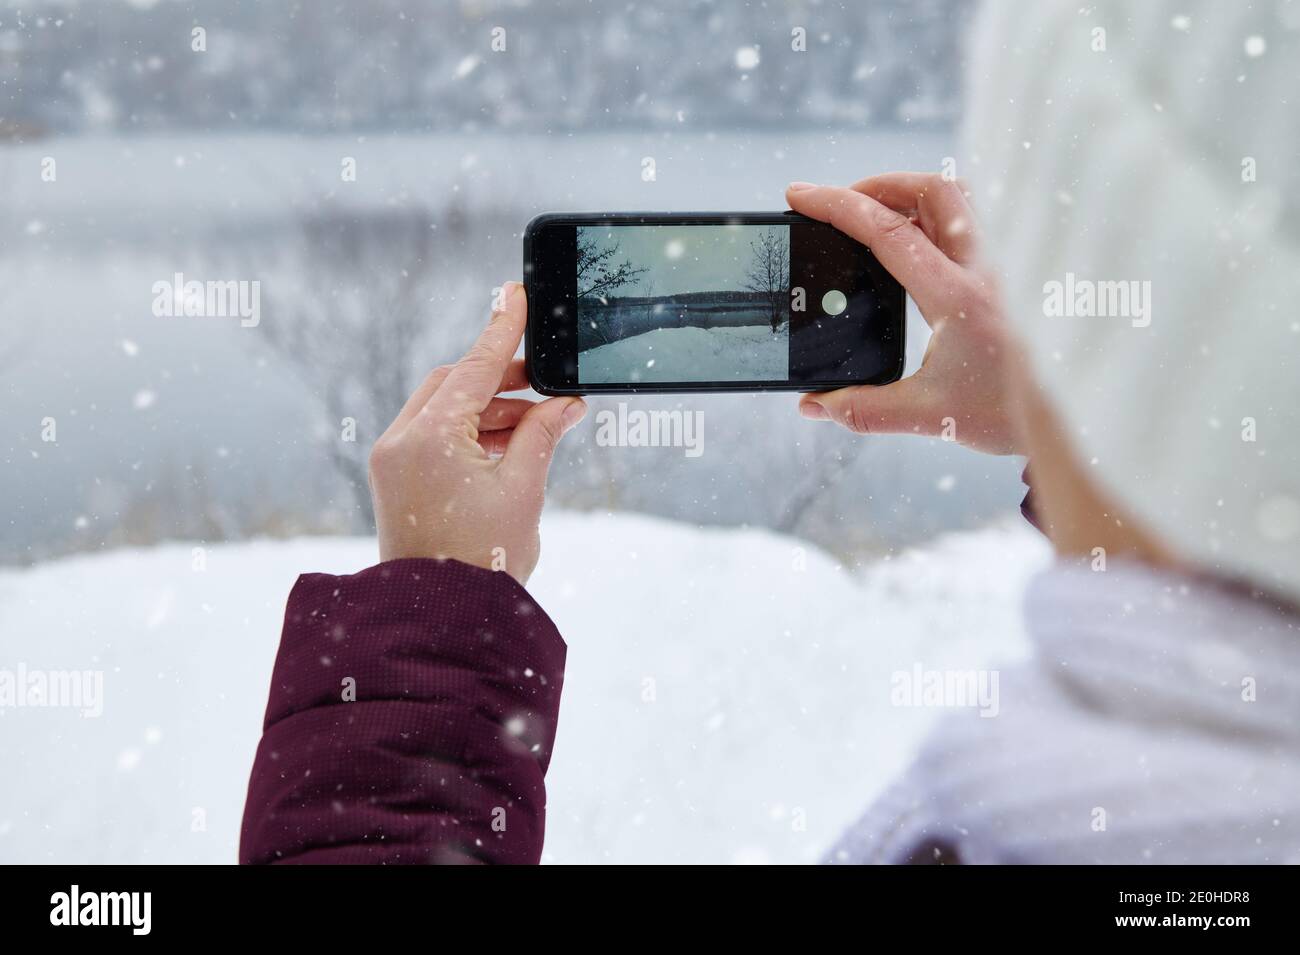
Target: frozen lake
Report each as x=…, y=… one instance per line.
x=153, y=188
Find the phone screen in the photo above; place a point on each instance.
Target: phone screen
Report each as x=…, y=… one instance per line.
x=757, y=301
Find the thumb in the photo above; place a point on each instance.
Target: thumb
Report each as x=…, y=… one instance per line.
x=535, y=437
x=898, y=408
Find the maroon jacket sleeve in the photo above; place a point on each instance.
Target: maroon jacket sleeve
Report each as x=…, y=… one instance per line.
x=411, y=719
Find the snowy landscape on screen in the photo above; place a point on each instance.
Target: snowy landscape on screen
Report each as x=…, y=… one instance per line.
x=720, y=704
x=742, y=353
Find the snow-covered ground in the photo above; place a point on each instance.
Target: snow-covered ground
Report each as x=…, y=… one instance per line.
x=742, y=353
x=726, y=700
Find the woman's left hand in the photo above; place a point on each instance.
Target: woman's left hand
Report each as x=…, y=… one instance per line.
x=461, y=472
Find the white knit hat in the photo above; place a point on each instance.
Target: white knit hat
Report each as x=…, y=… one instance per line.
x=1156, y=144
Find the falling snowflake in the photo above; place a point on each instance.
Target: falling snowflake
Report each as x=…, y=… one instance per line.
x=747, y=58
x=467, y=66
x=128, y=760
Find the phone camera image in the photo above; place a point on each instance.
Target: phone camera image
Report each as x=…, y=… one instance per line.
x=683, y=303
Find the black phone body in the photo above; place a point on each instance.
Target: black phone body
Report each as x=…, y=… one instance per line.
x=653, y=303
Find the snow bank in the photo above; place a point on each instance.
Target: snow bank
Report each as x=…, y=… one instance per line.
x=742, y=353
x=727, y=695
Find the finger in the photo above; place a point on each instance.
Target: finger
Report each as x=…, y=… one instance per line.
x=496, y=423
x=933, y=280
x=901, y=190
x=503, y=413
x=421, y=395
x=528, y=456
x=903, y=407
x=494, y=443
x=939, y=204
x=515, y=379
x=474, y=379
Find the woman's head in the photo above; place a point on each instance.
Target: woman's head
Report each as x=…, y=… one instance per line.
x=1152, y=273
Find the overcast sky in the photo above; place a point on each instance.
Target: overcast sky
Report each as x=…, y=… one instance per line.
x=684, y=258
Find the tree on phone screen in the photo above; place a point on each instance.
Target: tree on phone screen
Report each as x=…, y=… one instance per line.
x=598, y=273
x=769, y=273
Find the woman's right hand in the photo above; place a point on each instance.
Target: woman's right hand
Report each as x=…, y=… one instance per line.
x=922, y=229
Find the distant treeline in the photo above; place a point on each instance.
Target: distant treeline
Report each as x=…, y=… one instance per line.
x=679, y=298
x=419, y=65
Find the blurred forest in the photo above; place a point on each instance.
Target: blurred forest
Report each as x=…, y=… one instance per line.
x=72, y=65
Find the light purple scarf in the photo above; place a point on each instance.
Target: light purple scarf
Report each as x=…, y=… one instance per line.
x=1158, y=721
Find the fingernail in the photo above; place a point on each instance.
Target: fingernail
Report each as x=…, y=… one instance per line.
x=576, y=411
x=800, y=186
x=812, y=411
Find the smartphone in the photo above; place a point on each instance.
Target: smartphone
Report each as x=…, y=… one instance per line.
x=651, y=303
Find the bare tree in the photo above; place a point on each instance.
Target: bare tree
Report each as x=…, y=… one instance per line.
x=598, y=273
x=769, y=273
x=360, y=309
x=835, y=460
